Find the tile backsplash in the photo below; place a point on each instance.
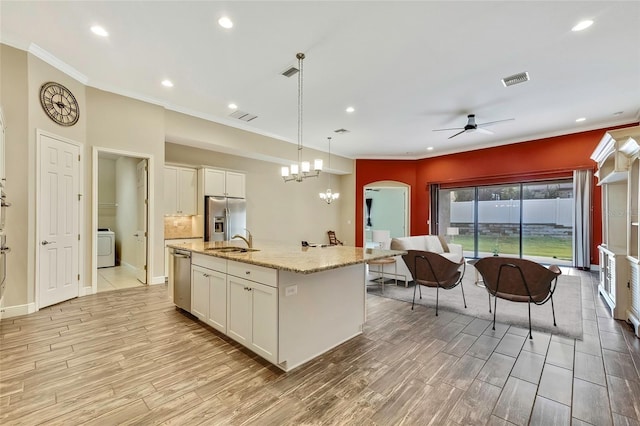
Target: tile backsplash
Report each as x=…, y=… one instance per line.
x=179, y=227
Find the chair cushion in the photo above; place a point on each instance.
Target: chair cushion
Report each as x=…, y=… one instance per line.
x=408, y=243
x=432, y=243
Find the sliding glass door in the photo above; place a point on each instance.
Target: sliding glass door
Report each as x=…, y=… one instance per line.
x=499, y=220
x=533, y=220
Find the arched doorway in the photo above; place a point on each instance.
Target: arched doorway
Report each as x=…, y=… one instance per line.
x=386, y=207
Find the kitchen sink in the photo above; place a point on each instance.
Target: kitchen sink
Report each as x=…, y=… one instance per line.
x=231, y=249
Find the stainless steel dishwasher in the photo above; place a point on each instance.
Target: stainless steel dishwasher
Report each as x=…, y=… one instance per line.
x=181, y=279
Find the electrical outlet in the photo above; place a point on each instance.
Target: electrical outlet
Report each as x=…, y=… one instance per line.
x=291, y=290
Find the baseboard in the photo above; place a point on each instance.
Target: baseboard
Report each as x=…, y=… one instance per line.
x=635, y=322
x=157, y=280
x=18, y=310
x=85, y=291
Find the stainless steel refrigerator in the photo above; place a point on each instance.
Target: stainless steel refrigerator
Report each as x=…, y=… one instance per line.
x=224, y=217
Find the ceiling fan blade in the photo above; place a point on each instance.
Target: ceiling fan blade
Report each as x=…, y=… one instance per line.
x=485, y=131
x=489, y=123
x=442, y=130
x=459, y=133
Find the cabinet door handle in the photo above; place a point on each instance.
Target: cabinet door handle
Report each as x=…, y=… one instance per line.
x=247, y=272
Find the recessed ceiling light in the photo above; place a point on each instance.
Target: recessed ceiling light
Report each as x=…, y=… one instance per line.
x=350, y=109
x=225, y=22
x=430, y=148
x=233, y=106
x=580, y=120
x=582, y=25
x=98, y=30
x=167, y=83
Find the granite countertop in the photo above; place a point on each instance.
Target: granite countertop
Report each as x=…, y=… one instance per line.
x=289, y=257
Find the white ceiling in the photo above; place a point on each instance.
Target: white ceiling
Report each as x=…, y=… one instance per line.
x=406, y=67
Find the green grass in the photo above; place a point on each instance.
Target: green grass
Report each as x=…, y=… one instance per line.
x=554, y=247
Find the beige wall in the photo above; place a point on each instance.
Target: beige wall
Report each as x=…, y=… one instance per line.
x=276, y=211
x=106, y=193
x=119, y=123
x=14, y=100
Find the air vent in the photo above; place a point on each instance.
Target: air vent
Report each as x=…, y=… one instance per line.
x=515, y=79
x=341, y=131
x=290, y=72
x=241, y=115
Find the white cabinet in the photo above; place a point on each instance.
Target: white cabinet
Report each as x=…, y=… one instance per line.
x=209, y=297
x=252, y=309
x=222, y=183
x=209, y=290
x=618, y=175
x=180, y=190
x=613, y=281
x=199, y=292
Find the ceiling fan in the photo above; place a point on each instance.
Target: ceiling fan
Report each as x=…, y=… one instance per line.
x=473, y=127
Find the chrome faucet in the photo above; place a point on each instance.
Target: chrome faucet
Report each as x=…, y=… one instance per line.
x=248, y=240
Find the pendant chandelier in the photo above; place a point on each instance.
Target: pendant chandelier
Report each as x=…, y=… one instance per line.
x=329, y=196
x=302, y=169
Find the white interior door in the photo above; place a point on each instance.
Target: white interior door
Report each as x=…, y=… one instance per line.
x=58, y=220
x=141, y=227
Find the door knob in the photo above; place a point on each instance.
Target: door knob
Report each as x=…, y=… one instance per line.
x=45, y=242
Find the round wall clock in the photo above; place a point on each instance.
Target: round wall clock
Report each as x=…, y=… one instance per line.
x=59, y=104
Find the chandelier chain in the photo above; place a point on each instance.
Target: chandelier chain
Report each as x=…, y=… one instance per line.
x=302, y=170
x=300, y=57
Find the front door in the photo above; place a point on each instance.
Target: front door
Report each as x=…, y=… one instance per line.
x=58, y=220
x=141, y=227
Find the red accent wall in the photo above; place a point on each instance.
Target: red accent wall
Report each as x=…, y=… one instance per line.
x=543, y=158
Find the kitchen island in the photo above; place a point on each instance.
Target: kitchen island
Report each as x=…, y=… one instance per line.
x=289, y=304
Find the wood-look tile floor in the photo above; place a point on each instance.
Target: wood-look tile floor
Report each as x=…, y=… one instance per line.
x=128, y=356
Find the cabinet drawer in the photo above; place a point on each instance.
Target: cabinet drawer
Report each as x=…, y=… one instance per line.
x=255, y=273
x=209, y=262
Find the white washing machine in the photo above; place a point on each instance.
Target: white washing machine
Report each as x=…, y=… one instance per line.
x=106, y=248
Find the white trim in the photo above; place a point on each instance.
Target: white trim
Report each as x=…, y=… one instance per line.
x=158, y=280
x=81, y=211
x=47, y=57
x=17, y=310
x=94, y=209
x=86, y=291
x=635, y=321
x=387, y=184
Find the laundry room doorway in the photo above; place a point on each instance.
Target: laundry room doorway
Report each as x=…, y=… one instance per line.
x=120, y=219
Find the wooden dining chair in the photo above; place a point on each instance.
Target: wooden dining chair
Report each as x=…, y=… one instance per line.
x=333, y=241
